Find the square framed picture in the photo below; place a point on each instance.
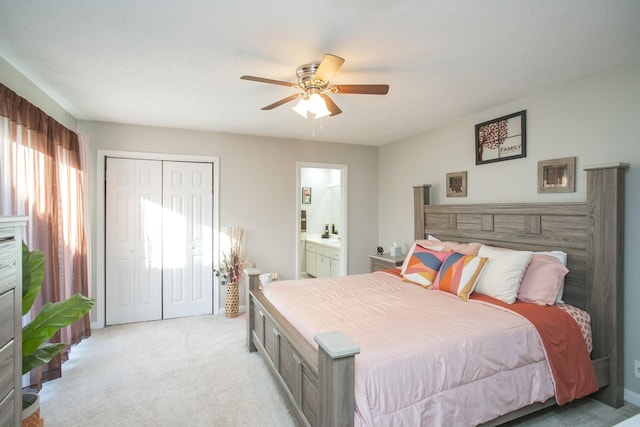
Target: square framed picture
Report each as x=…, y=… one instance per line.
x=306, y=195
x=557, y=175
x=457, y=184
x=504, y=138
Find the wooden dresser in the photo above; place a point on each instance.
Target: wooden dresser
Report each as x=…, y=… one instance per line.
x=11, y=320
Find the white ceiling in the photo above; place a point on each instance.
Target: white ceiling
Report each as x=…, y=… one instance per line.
x=177, y=63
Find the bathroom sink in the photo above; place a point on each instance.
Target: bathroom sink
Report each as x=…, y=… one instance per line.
x=333, y=242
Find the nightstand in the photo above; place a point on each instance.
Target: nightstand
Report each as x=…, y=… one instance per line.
x=385, y=261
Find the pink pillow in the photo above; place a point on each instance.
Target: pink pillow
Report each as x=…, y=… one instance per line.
x=462, y=248
x=542, y=280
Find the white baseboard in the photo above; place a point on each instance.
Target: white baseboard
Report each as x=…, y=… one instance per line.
x=241, y=310
x=632, y=397
x=630, y=422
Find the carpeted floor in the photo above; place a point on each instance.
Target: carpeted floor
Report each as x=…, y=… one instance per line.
x=183, y=372
x=196, y=372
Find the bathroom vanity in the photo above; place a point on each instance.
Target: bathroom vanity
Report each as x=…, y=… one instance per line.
x=323, y=256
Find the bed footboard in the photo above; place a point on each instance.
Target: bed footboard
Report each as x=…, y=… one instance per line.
x=318, y=384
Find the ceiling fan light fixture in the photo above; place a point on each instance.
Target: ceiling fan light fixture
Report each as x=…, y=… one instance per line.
x=317, y=106
x=314, y=82
x=313, y=106
x=302, y=107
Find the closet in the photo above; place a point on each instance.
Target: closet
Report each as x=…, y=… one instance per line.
x=158, y=239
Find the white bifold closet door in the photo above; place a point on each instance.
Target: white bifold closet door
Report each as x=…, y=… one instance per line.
x=133, y=241
x=158, y=240
x=188, y=216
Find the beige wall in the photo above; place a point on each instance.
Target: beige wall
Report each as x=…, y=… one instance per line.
x=596, y=119
x=258, y=185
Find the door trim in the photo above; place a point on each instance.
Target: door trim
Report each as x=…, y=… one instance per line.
x=344, y=212
x=100, y=305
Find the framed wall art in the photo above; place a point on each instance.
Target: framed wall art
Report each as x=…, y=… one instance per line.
x=504, y=138
x=306, y=195
x=457, y=184
x=557, y=175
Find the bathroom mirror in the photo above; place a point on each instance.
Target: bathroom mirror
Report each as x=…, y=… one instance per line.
x=334, y=206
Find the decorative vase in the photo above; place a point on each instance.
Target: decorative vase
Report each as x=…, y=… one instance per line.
x=31, y=410
x=231, y=300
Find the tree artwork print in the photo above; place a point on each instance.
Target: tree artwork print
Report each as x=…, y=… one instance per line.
x=492, y=136
x=501, y=139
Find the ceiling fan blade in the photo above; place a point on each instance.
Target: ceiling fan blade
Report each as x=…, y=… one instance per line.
x=282, y=101
x=263, y=80
x=331, y=106
x=361, y=89
x=328, y=67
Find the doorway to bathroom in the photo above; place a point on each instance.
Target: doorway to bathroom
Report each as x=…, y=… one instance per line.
x=321, y=220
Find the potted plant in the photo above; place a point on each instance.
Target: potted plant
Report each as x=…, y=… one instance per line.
x=36, y=350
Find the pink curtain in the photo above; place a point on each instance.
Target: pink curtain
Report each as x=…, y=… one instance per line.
x=42, y=178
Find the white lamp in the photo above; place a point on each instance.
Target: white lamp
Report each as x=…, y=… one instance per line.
x=314, y=104
x=302, y=107
x=317, y=106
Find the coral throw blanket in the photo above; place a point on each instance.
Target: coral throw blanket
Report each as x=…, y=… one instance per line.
x=567, y=354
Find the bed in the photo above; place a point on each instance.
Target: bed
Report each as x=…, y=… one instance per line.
x=317, y=377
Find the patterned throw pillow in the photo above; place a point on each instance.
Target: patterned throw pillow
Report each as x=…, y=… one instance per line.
x=421, y=265
x=583, y=319
x=463, y=248
x=459, y=274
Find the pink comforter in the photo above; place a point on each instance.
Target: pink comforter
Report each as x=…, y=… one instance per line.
x=427, y=358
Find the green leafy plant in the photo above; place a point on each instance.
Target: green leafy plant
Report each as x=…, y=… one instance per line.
x=36, y=350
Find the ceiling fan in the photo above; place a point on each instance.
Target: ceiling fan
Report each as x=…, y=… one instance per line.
x=314, y=81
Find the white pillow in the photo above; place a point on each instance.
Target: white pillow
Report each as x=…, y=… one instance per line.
x=559, y=255
x=503, y=273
